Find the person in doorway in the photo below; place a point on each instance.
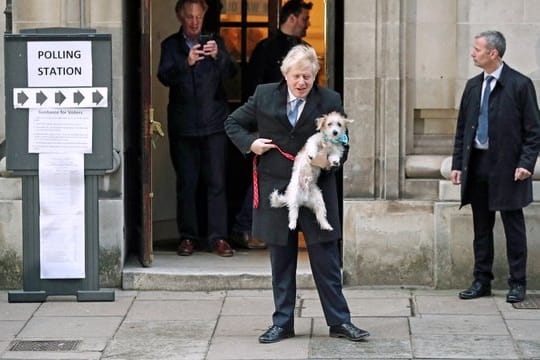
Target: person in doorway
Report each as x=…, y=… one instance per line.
x=193, y=66
x=264, y=67
x=496, y=145
x=269, y=126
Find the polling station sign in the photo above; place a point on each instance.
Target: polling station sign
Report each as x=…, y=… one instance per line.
x=59, y=63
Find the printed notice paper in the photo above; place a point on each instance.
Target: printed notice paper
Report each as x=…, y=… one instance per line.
x=61, y=215
x=59, y=130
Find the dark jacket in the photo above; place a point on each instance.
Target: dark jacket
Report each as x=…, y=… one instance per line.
x=197, y=102
x=514, y=137
x=265, y=61
x=265, y=112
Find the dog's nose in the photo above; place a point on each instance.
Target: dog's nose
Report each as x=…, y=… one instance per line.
x=335, y=132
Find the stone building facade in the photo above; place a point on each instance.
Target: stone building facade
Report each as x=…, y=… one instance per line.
x=405, y=65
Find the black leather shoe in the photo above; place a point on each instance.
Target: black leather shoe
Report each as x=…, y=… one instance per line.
x=348, y=331
x=275, y=334
x=476, y=290
x=239, y=239
x=516, y=294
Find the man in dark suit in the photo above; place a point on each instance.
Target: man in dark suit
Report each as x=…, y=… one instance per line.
x=264, y=67
x=496, y=145
x=262, y=126
x=193, y=68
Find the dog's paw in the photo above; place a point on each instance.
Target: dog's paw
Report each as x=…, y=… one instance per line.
x=327, y=227
x=292, y=225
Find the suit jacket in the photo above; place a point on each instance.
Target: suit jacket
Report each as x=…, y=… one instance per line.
x=265, y=113
x=514, y=137
x=197, y=102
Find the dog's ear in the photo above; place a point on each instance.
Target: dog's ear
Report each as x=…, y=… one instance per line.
x=319, y=122
x=349, y=121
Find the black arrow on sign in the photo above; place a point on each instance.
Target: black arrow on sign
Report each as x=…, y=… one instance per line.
x=97, y=97
x=21, y=98
x=40, y=98
x=59, y=98
x=78, y=97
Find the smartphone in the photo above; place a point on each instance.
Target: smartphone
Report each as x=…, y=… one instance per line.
x=205, y=38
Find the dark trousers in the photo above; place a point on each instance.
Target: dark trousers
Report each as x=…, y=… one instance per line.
x=483, y=222
x=324, y=261
x=200, y=161
x=244, y=216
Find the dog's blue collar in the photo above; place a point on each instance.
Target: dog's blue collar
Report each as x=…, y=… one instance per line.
x=343, y=139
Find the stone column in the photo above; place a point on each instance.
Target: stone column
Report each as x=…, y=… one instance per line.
x=372, y=98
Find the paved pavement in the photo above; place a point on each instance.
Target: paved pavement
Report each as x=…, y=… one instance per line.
x=404, y=324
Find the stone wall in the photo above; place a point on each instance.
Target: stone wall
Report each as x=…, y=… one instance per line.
x=406, y=64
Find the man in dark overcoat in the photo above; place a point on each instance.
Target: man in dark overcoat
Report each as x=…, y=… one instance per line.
x=262, y=126
x=193, y=68
x=496, y=145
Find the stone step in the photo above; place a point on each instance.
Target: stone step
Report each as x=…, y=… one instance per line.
x=204, y=271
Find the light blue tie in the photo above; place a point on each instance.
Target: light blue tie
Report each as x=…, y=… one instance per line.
x=482, y=132
x=293, y=113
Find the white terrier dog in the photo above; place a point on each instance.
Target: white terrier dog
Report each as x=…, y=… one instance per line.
x=302, y=189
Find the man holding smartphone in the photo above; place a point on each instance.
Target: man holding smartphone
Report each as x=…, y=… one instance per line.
x=193, y=65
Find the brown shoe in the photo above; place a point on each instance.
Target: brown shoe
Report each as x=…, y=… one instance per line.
x=255, y=243
x=185, y=248
x=222, y=248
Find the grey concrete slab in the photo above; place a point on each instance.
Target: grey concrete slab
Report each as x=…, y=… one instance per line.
x=10, y=328
x=458, y=324
x=510, y=313
x=207, y=271
x=326, y=347
x=37, y=355
x=62, y=308
x=379, y=328
x=250, y=293
x=524, y=329
x=248, y=306
x=180, y=295
x=120, y=293
x=371, y=292
x=363, y=307
x=162, y=340
x=463, y=347
x=254, y=326
x=70, y=327
x=3, y=346
x=174, y=310
x=17, y=311
x=248, y=347
x=434, y=304
x=529, y=349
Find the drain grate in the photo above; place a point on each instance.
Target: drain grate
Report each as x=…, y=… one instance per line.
x=532, y=301
x=44, y=345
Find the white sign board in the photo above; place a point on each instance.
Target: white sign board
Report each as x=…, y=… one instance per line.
x=59, y=63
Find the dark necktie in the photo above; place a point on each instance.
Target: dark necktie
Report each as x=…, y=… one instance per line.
x=482, y=132
x=293, y=113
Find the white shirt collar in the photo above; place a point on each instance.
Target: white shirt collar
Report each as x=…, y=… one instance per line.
x=496, y=74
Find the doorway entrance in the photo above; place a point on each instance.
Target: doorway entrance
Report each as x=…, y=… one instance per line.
x=150, y=179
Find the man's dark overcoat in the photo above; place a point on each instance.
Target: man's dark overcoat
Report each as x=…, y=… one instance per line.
x=264, y=115
x=514, y=137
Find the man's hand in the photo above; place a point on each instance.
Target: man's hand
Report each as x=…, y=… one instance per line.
x=211, y=49
x=521, y=174
x=261, y=145
x=455, y=176
x=321, y=159
x=196, y=54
